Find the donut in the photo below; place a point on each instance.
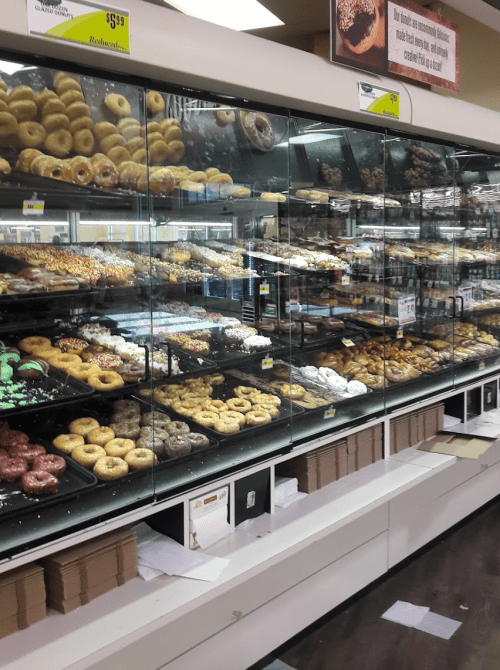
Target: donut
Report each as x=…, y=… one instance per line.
x=159, y=419
x=129, y=173
x=39, y=483
x=105, y=360
x=126, y=415
x=25, y=158
x=67, y=83
x=168, y=123
x=197, y=441
x=272, y=410
x=244, y=391
x=23, y=110
x=60, y=75
x=8, y=124
x=83, y=142
x=132, y=132
x=177, y=446
x=77, y=109
x=137, y=459
x=5, y=168
x=32, y=368
x=70, y=96
x=66, y=443
x=215, y=405
x=92, y=350
x=150, y=431
x=55, y=121
x=83, y=426
x=177, y=428
x=211, y=171
x=161, y=181
x=27, y=344
x=231, y=415
x=82, y=370
x=158, y=151
x=112, y=140
x=187, y=185
x=126, y=430
x=225, y=116
x=71, y=345
x=257, y=417
x=44, y=95
x=104, y=128
x=53, y=106
x=239, y=405
x=22, y=93
x=227, y=426
x=205, y=418
x=215, y=379
x=220, y=178
x=31, y=133
x=51, y=463
x=118, y=104
x=127, y=122
x=258, y=129
x=52, y=168
x=88, y=454
x=27, y=451
x=110, y=467
x=105, y=380
x=12, y=469
x=82, y=168
x=272, y=197
x=266, y=399
x=292, y=391
x=153, y=443
x=140, y=156
x=119, y=447
x=100, y=435
x=105, y=173
x=358, y=23
x=123, y=405
x=82, y=122
x=63, y=361
x=58, y=142
x=118, y=155
x=172, y=133
x=154, y=101
x=175, y=151
x=11, y=438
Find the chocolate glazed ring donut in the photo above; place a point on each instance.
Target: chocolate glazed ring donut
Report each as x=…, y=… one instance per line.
x=358, y=22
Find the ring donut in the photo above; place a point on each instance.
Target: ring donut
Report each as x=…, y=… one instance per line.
x=239, y=405
x=155, y=101
x=23, y=110
x=129, y=174
x=82, y=370
x=88, y=454
x=63, y=361
x=258, y=129
x=167, y=123
x=131, y=131
x=66, y=443
x=83, y=170
x=225, y=116
x=205, y=418
x=137, y=459
x=112, y=140
x=175, y=151
x=53, y=106
x=118, y=104
x=135, y=144
x=121, y=124
x=119, y=447
x=221, y=178
x=83, y=426
x=83, y=142
x=227, y=426
x=158, y=152
x=105, y=172
x=8, y=124
x=104, y=128
x=257, y=417
x=172, y=133
x=100, y=435
x=105, y=380
x=5, y=168
x=22, y=93
x=211, y=172
x=3, y=85
x=161, y=181
x=71, y=96
x=83, y=122
x=118, y=155
x=77, y=109
x=28, y=344
x=67, y=84
x=59, y=75
x=55, y=121
x=47, y=166
x=140, y=156
x=110, y=467
x=58, y=142
x=42, y=97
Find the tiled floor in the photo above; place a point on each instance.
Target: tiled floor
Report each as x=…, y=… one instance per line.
x=457, y=576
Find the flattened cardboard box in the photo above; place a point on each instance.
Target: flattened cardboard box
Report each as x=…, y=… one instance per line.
x=461, y=445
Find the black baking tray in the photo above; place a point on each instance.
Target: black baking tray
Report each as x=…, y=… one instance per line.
x=102, y=411
x=220, y=392
x=73, y=481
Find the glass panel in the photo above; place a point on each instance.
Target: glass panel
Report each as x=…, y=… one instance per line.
x=221, y=283
x=65, y=226
x=338, y=280
x=477, y=257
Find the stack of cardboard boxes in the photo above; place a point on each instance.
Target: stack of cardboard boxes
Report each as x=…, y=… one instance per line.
x=416, y=426
x=22, y=598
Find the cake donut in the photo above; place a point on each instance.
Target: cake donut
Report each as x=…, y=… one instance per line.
x=137, y=459
x=154, y=101
x=118, y=104
x=110, y=467
x=258, y=129
x=39, y=482
x=358, y=23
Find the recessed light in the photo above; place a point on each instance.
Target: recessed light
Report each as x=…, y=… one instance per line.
x=240, y=15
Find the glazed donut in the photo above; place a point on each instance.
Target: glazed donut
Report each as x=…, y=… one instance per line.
x=12, y=469
x=153, y=443
x=5, y=168
x=258, y=129
x=266, y=399
x=158, y=152
x=197, y=441
x=30, y=133
x=244, y=391
x=119, y=447
x=137, y=459
x=272, y=197
x=257, y=417
x=118, y=155
x=25, y=158
x=187, y=185
x=172, y=133
x=51, y=463
x=226, y=426
x=175, y=151
x=104, y=128
x=55, y=121
x=177, y=446
x=82, y=167
x=127, y=430
x=272, y=410
x=53, y=106
x=205, y=418
x=68, y=97
x=22, y=93
x=8, y=124
x=39, y=483
x=23, y=110
x=110, y=467
x=161, y=181
x=112, y=140
x=46, y=166
x=66, y=443
x=63, y=361
x=82, y=370
x=292, y=391
x=215, y=405
x=186, y=407
x=42, y=97
x=211, y=171
x=67, y=83
x=124, y=405
x=225, y=116
x=129, y=174
x=105, y=380
x=27, y=451
x=81, y=123
x=88, y=454
x=241, y=192
x=58, y=142
x=77, y=109
x=220, y=178
x=233, y=416
x=100, y=435
x=132, y=132
x=215, y=380
x=27, y=344
x=118, y=104
x=83, y=142
x=140, y=156
x=105, y=173
x=155, y=101
x=83, y=426
x=239, y=405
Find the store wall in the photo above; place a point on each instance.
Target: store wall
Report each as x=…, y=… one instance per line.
x=479, y=59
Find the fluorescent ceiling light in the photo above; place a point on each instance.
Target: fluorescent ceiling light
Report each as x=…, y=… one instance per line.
x=200, y=223
x=235, y=14
x=11, y=68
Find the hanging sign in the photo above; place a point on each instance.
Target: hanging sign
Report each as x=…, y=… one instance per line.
x=83, y=22
x=377, y=100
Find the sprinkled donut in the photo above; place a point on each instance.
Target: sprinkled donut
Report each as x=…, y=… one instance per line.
x=258, y=129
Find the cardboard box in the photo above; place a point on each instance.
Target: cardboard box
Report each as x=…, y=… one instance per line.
x=460, y=445
x=364, y=452
x=351, y=463
x=342, y=468
x=22, y=620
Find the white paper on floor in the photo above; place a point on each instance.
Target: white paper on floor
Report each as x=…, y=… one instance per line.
x=421, y=619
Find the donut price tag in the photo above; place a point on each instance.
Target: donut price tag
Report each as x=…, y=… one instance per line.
x=399, y=334
x=347, y=342
x=482, y=365
x=33, y=207
x=264, y=289
x=329, y=413
x=345, y=280
x=267, y=363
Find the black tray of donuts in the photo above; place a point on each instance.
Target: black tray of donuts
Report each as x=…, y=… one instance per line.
x=304, y=329
x=223, y=389
x=114, y=430
x=23, y=456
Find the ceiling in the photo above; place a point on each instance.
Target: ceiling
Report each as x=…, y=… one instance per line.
x=304, y=18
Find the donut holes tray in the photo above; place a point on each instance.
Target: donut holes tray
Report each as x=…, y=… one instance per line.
x=224, y=392
x=102, y=411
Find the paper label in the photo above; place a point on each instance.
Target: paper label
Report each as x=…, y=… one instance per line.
x=267, y=363
x=330, y=413
x=345, y=280
x=347, y=342
x=466, y=293
x=35, y=207
x=406, y=309
x=83, y=22
x=399, y=334
x=482, y=365
x=377, y=100
x=264, y=289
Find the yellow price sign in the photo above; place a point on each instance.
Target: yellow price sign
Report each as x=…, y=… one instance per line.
x=377, y=100
x=80, y=21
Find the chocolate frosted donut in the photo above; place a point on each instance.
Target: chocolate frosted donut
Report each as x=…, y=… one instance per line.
x=51, y=463
x=39, y=483
x=27, y=451
x=310, y=328
x=198, y=441
x=128, y=430
x=10, y=438
x=177, y=446
x=176, y=428
x=12, y=469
